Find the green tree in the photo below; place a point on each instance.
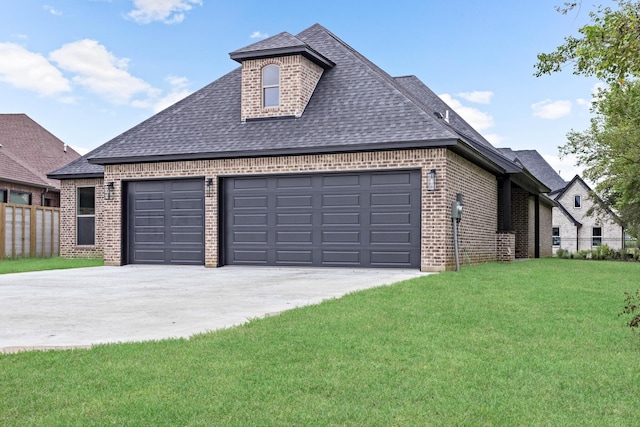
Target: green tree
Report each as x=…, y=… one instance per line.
x=610, y=151
x=608, y=48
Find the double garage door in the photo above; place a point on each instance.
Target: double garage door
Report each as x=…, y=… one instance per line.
x=344, y=219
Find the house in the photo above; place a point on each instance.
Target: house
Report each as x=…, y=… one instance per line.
x=27, y=153
x=307, y=154
x=573, y=229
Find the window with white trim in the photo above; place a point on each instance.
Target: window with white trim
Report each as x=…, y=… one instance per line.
x=86, y=216
x=271, y=86
x=555, y=236
x=577, y=201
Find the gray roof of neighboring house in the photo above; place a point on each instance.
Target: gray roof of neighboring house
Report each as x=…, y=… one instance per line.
x=537, y=166
x=356, y=106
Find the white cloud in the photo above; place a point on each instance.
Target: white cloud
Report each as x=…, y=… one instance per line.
x=258, y=35
x=52, y=10
x=100, y=72
x=167, y=11
x=565, y=167
x=549, y=109
x=479, y=120
x=28, y=70
x=477, y=96
x=178, y=91
x=583, y=102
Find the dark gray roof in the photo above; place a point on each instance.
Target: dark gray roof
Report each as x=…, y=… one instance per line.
x=537, y=166
x=355, y=107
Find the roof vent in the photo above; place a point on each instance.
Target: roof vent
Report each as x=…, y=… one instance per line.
x=438, y=114
x=446, y=116
x=65, y=148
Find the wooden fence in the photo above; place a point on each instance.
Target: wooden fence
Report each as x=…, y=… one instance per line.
x=29, y=231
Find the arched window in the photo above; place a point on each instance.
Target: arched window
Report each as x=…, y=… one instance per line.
x=271, y=86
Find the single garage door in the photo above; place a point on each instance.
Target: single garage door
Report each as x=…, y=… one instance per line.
x=166, y=221
x=351, y=219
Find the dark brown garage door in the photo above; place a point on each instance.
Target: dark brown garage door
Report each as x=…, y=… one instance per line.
x=353, y=219
x=166, y=222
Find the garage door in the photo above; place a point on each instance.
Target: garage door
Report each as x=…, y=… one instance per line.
x=353, y=219
x=166, y=222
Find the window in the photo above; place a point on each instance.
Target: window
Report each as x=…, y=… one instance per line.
x=271, y=86
x=555, y=236
x=577, y=201
x=19, y=197
x=597, y=236
x=86, y=216
x=3, y=196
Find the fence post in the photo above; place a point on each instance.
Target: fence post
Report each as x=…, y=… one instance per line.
x=3, y=235
x=33, y=249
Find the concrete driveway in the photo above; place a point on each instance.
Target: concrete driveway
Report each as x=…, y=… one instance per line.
x=81, y=307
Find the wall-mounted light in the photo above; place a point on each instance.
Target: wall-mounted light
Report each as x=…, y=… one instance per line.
x=108, y=190
x=431, y=180
x=209, y=187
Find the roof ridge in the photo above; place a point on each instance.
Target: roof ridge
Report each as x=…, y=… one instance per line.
x=385, y=77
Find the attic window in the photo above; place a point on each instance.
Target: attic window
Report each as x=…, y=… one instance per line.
x=271, y=86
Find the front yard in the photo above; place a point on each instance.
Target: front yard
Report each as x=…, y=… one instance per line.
x=535, y=342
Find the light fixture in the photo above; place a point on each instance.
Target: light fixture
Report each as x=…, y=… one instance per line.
x=209, y=187
x=431, y=180
x=108, y=190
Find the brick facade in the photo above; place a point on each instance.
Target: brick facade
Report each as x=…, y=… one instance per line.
x=298, y=79
x=477, y=231
x=36, y=193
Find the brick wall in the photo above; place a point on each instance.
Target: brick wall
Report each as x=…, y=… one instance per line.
x=454, y=175
x=298, y=79
x=36, y=193
x=506, y=243
x=68, y=246
x=520, y=220
x=477, y=229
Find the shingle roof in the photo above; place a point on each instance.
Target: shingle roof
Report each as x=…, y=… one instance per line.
x=28, y=152
x=538, y=166
x=355, y=106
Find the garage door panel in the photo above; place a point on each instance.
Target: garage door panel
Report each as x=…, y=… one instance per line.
x=341, y=218
x=393, y=200
x=390, y=218
x=166, y=221
x=340, y=180
x=390, y=237
x=341, y=257
x=250, y=219
x=250, y=183
x=337, y=219
x=386, y=258
x=294, y=219
x=294, y=201
x=243, y=202
x=298, y=257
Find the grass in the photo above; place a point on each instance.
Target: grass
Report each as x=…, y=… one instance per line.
x=529, y=343
x=20, y=265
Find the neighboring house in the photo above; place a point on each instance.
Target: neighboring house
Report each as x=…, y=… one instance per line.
x=307, y=154
x=27, y=153
x=573, y=229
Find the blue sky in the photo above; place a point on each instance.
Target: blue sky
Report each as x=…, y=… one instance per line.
x=88, y=70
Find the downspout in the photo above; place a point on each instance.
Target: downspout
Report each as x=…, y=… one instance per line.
x=536, y=220
x=44, y=191
x=577, y=238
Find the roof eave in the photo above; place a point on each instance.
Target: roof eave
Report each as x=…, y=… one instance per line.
x=76, y=176
x=386, y=146
x=305, y=51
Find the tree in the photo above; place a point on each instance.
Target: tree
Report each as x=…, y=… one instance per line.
x=608, y=49
x=610, y=151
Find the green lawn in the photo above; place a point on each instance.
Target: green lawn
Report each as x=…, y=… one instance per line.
x=529, y=343
x=37, y=264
